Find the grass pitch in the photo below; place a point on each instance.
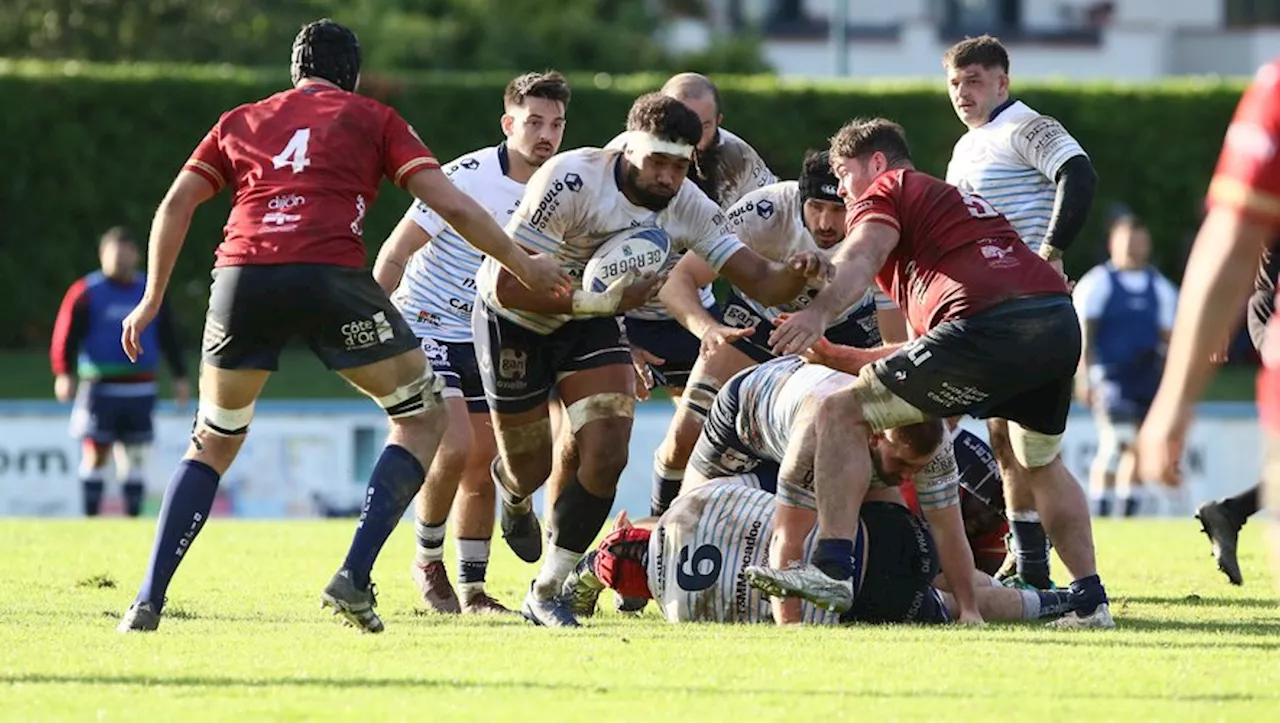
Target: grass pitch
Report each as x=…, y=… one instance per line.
x=244, y=639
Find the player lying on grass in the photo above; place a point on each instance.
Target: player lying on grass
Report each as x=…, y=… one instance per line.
x=777, y=220
x=693, y=559
x=763, y=421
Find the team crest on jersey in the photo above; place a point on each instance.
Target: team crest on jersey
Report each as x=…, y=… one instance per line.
x=573, y=182
x=764, y=208
x=513, y=364
x=470, y=164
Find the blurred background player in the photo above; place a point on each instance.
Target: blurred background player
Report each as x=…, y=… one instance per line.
x=114, y=398
x=1126, y=309
x=777, y=220
x=429, y=270
x=530, y=343
x=304, y=165
x=1222, y=519
x=1032, y=171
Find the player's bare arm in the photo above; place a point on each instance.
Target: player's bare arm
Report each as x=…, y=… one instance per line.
x=168, y=232
x=772, y=283
x=847, y=359
x=476, y=225
x=893, y=325
x=856, y=262
x=624, y=294
x=791, y=526
x=956, y=557
x=405, y=239
x=1224, y=258
x=681, y=297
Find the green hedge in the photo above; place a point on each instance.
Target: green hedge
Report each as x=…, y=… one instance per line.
x=88, y=147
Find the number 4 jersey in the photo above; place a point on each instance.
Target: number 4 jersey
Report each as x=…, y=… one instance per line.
x=700, y=549
x=305, y=166
x=955, y=256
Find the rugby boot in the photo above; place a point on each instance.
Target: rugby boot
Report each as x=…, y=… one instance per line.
x=433, y=584
x=554, y=613
x=353, y=604
x=1223, y=531
x=481, y=603
x=803, y=581
x=582, y=588
x=141, y=617
x=1100, y=619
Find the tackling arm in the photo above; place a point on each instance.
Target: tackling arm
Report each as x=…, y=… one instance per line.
x=404, y=241
x=680, y=294
x=769, y=282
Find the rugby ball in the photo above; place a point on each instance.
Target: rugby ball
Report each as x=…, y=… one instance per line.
x=643, y=249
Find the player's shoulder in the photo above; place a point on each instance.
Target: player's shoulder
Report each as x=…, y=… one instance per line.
x=1094, y=281
x=765, y=206
x=727, y=140
x=477, y=166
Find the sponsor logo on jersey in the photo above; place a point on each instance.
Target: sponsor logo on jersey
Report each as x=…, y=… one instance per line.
x=470, y=164
x=573, y=182
x=764, y=208
x=286, y=201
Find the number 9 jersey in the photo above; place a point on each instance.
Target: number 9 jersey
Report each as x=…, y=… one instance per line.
x=304, y=166
x=700, y=549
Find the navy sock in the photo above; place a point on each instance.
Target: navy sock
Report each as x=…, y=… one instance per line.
x=834, y=557
x=578, y=517
x=1087, y=594
x=187, y=501
x=1104, y=506
x=1054, y=603
x=92, y=487
x=1032, y=550
x=134, y=494
x=396, y=478
x=1131, y=506
x=666, y=488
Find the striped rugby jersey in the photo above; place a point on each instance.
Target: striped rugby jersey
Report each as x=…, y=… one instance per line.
x=575, y=201
x=702, y=546
x=1013, y=162
x=770, y=221
x=438, y=289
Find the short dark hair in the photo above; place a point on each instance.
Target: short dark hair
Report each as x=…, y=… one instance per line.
x=116, y=234
x=1130, y=220
x=984, y=50
x=923, y=438
x=861, y=136
x=549, y=85
x=666, y=118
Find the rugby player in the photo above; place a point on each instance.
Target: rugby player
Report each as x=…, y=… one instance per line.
x=693, y=559
x=1030, y=169
x=114, y=399
x=305, y=165
x=762, y=423
x=529, y=343
x=429, y=270
x=995, y=336
x=1243, y=220
x=1222, y=519
x=777, y=220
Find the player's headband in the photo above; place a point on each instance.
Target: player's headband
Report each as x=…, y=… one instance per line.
x=819, y=184
x=646, y=143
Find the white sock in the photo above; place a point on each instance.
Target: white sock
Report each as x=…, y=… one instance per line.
x=1030, y=605
x=555, y=568
x=430, y=542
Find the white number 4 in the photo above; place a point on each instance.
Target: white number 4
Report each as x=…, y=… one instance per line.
x=294, y=154
x=979, y=207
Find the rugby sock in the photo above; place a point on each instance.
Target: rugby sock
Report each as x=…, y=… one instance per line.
x=134, y=494
x=1030, y=546
x=187, y=501
x=1087, y=594
x=473, y=565
x=93, y=486
x=1131, y=505
x=578, y=517
x=1045, y=603
x=555, y=568
x=834, y=557
x=1103, y=504
x=666, y=487
x=396, y=478
x=1243, y=505
x=430, y=541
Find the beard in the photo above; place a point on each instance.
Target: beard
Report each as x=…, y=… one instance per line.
x=705, y=171
x=647, y=199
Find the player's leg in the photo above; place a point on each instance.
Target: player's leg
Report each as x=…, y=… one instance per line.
x=672, y=457
x=1221, y=520
x=1002, y=603
x=1028, y=542
x=432, y=505
x=136, y=433
x=93, y=469
x=1106, y=461
x=564, y=459
x=240, y=350
x=93, y=422
x=1128, y=486
x=473, y=515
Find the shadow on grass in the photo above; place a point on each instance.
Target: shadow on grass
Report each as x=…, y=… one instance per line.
x=573, y=687
x=1265, y=603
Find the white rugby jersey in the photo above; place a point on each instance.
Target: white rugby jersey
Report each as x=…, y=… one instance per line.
x=771, y=397
x=702, y=546
x=438, y=289
x=770, y=221
x=1012, y=161
x=739, y=170
x=575, y=201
